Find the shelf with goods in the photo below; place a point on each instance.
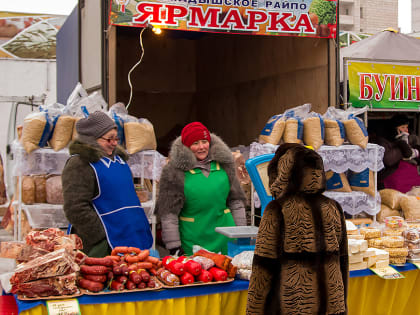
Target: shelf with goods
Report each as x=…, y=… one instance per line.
x=340, y=159
x=144, y=165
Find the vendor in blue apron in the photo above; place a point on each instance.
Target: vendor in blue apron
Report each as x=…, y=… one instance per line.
x=100, y=201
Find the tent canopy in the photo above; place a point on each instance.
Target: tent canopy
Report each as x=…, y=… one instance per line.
x=386, y=45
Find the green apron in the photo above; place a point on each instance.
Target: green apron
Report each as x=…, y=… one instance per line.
x=205, y=209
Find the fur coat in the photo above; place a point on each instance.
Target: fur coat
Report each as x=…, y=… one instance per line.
x=301, y=259
x=79, y=188
x=171, y=187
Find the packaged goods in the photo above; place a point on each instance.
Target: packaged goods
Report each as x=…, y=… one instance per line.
x=394, y=222
x=356, y=246
x=351, y=228
x=36, y=131
x=74, y=133
x=375, y=242
x=392, y=232
x=398, y=260
x=397, y=251
x=139, y=136
x=370, y=232
x=386, y=212
x=28, y=190
x=293, y=130
x=393, y=241
x=313, y=131
x=243, y=260
x=356, y=132
x=358, y=266
x=334, y=132
x=40, y=182
x=273, y=130
x=381, y=263
x=355, y=236
x=363, y=181
x=412, y=234
x=62, y=133
x=411, y=207
x=337, y=182
x=391, y=198
x=355, y=258
x=54, y=190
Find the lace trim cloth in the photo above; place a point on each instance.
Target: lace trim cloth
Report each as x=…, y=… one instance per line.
x=340, y=159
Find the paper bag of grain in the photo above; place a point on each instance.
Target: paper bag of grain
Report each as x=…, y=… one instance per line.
x=386, y=212
x=410, y=206
x=273, y=130
x=313, y=131
x=40, y=182
x=337, y=182
x=139, y=136
x=363, y=181
x=391, y=198
x=334, y=132
x=74, y=134
x=293, y=130
x=63, y=132
x=36, y=131
x=356, y=132
x=54, y=190
x=28, y=190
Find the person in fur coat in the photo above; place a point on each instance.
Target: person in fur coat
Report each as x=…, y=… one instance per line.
x=198, y=191
x=300, y=262
x=100, y=201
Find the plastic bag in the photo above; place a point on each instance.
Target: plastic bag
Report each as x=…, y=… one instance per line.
x=355, y=129
x=139, y=136
x=273, y=130
x=63, y=124
x=391, y=198
x=37, y=128
x=243, y=260
x=313, y=130
x=337, y=182
x=119, y=114
x=80, y=104
x=363, y=181
x=293, y=131
x=334, y=129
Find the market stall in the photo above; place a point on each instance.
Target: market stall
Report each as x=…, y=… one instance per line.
x=368, y=294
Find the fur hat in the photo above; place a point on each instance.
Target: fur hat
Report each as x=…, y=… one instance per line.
x=193, y=132
x=95, y=125
x=399, y=120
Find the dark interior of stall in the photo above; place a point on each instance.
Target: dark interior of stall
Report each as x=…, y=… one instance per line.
x=231, y=83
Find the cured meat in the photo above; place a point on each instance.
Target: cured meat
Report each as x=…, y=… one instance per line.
x=61, y=285
x=56, y=263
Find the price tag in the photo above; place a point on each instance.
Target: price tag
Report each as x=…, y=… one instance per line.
x=387, y=273
x=63, y=307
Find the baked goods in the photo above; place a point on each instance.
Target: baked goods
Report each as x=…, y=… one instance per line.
x=370, y=232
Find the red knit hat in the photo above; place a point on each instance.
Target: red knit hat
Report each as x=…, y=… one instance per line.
x=193, y=132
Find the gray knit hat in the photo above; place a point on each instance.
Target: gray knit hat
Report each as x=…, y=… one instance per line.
x=95, y=125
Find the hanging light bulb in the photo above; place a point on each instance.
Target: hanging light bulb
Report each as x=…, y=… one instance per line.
x=157, y=30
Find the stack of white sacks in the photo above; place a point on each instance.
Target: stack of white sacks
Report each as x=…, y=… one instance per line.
x=360, y=255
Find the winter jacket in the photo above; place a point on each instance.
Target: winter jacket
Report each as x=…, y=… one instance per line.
x=171, y=197
x=79, y=188
x=395, y=151
x=300, y=261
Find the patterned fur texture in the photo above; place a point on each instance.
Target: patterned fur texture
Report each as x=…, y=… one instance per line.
x=300, y=263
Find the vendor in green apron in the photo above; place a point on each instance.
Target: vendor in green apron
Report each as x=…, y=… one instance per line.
x=198, y=192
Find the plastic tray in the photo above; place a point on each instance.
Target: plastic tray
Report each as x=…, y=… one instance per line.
x=238, y=231
x=44, y=216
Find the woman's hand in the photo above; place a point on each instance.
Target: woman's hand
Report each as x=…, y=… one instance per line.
x=402, y=136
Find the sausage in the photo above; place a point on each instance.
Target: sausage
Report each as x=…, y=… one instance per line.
x=121, y=279
x=124, y=269
x=144, y=265
x=93, y=270
x=130, y=285
x=134, y=250
x=115, y=258
x=168, y=277
x=98, y=261
x=135, y=277
x=145, y=276
x=117, y=286
x=117, y=270
x=143, y=254
x=141, y=285
x=97, y=278
x=93, y=286
x=131, y=259
x=151, y=284
x=152, y=260
x=119, y=250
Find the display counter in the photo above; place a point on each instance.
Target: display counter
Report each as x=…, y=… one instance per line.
x=368, y=294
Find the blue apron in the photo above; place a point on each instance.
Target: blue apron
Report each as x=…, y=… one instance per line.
x=118, y=206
